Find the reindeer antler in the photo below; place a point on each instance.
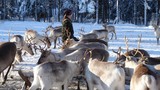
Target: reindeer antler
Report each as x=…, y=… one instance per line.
x=118, y=52
x=139, y=41
x=126, y=42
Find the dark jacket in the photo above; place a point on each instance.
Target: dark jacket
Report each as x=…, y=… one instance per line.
x=67, y=29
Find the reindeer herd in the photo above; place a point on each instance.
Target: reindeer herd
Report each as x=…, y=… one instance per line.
x=87, y=58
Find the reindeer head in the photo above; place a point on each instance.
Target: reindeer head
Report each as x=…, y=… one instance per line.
x=47, y=41
x=46, y=55
x=104, y=25
x=28, y=48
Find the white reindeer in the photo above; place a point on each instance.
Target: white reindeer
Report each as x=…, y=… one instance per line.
x=88, y=36
x=104, y=75
x=33, y=37
x=21, y=44
x=70, y=43
x=90, y=43
x=102, y=34
x=54, y=33
x=110, y=29
x=157, y=32
x=54, y=74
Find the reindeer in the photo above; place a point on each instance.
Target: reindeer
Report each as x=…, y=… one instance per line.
x=134, y=52
x=88, y=36
x=157, y=32
x=142, y=76
x=61, y=55
x=54, y=33
x=46, y=56
x=70, y=43
x=90, y=43
x=110, y=29
x=104, y=75
x=33, y=37
x=7, y=55
x=54, y=74
x=21, y=44
x=150, y=60
x=84, y=54
x=102, y=34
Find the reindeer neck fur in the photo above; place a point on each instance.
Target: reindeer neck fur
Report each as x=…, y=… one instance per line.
x=130, y=64
x=129, y=68
x=142, y=69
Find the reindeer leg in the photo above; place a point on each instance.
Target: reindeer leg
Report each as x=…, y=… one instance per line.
x=2, y=76
x=65, y=86
x=5, y=78
x=55, y=42
x=78, y=86
x=112, y=36
x=25, y=78
x=115, y=35
x=35, y=49
x=157, y=41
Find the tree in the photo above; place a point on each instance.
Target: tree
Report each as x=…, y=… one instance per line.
x=158, y=12
x=97, y=10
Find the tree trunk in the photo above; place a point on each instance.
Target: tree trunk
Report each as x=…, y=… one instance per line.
x=36, y=17
x=97, y=7
x=117, y=12
x=4, y=6
x=135, y=12
x=158, y=12
x=107, y=10
x=145, y=12
x=59, y=10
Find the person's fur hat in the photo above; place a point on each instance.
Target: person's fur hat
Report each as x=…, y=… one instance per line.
x=68, y=12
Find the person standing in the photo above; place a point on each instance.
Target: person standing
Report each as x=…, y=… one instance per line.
x=67, y=27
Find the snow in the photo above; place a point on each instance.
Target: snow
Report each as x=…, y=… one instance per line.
x=131, y=31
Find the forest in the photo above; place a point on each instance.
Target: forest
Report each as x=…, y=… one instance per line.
x=139, y=12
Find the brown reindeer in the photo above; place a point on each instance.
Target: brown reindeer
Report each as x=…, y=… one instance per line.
x=7, y=55
x=143, y=77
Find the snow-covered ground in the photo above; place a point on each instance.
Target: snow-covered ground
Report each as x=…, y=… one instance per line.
x=131, y=31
